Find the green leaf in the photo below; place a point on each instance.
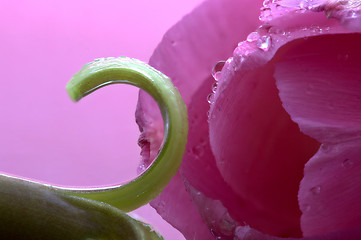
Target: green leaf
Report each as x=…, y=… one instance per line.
x=32, y=211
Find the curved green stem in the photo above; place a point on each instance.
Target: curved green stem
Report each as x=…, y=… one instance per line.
x=150, y=183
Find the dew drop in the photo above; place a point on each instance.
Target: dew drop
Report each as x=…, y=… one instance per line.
x=229, y=60
x=275, y=30
x=352, y=14
x=347, y=163
x=240, y=44
x=216, y=70
x=304, y=4
x=198, y=151
x=325, y=147
x=264, y=43
x=264, y=28
x=210, y=98
x=267, y=2
x=141, y=168
x=266, y=15
x=238, y=61
x=214, y=87
x=316, y=190
x=317, y=30
x=253, y=36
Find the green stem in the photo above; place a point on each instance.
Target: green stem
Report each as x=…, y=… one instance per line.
x=150, y=183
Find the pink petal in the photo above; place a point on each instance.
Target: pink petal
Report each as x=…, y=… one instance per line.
x=247, y=233
x=320, y=85
x=330, y=191
x=176, y=207
x=187, y=54
x=259, y=150
x=262, y=185
x=319, y=81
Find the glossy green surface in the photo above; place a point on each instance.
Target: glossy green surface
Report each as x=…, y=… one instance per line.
x=30, y=210
x=149, y=184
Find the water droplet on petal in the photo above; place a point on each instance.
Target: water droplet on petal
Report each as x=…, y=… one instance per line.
x=347, y=163
x=304, y=4
x=240, y=44
x=198, y=151
x=316, y=30
x=266, y=2
x=316, y=190
x=253, y=36
x=214, y=87
x=266, y=15
x=264, y=43
x=216, y=70
x=141, y=168
x=210, y=98
x=325, y=147
x=264, y=28
x=352, y=14
x=275, y=30
x=229, y=60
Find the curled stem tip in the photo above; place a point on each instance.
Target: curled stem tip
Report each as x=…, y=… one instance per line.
x=150, y=183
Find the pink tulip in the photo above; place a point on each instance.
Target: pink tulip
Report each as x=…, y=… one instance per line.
x=277, y=155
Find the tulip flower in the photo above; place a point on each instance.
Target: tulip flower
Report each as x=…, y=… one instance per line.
x=274, y=130
x=275, y=152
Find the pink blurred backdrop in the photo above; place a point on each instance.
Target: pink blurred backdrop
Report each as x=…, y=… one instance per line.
x=44, y=135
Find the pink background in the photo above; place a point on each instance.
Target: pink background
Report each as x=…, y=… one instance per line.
x=44, y=135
